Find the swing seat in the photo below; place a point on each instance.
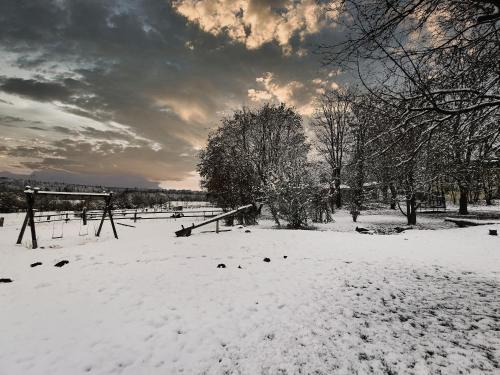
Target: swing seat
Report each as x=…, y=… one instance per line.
x=57, y=235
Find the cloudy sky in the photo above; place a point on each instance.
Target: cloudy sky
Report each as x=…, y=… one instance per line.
x=127, y=91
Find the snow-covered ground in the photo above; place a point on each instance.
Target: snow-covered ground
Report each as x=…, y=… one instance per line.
x=423, y=301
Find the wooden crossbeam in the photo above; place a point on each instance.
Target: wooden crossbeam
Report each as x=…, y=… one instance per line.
x=30, y=216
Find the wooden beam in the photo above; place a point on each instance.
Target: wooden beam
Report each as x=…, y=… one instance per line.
x=66, y=193
x=185, y=232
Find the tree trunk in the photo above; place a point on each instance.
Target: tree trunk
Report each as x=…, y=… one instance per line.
x=385, y=194
x=274, y=213
x=338, y=194
x=393, y=196
x=411, y=210
x=331, y=197
x=488, y=197
x=463, y=201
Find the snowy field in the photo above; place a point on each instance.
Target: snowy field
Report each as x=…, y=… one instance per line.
x=419, y=302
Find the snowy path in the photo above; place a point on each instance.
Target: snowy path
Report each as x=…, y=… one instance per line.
x=421, y=302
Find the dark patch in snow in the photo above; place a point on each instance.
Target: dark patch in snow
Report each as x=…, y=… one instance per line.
x=221, y=265
x=267, y=260
x=362, y=230
x=61, y=263
x=35, y=264
x=6, y=280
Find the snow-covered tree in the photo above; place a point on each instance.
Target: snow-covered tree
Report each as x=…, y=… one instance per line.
x=248, y=158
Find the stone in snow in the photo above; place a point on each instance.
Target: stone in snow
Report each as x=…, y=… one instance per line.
x=221, y=265
x=267, y=260
x=5, y=280
x=35, y=264
x=61, y=263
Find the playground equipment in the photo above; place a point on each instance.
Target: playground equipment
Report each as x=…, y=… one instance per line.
x=431, y=202
x=425, y=202
x=144, y=214
x=185, y=232
x=29, y=219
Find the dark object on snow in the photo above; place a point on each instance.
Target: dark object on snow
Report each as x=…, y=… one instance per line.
x=5, y=280
x=1, y=221
x=493, y=232
x=248, y=231
x=35, y=264
x=240, y=267
x=61, y=263
x=462, y=223
x=402, y=229
x=362, y=230
x=221, y=265
x=285, y=256
x=267, y=260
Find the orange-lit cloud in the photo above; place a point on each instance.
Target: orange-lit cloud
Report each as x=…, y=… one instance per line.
x=255, y=22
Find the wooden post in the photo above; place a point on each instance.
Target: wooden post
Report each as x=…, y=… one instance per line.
x=1, y=221
x=29, y=218
x=31, y=203
x=84, y=215
x=111, y=215
x=23, y=228
x=102, y=218
x=135, y=216
x=107, y=210
x=217, y=226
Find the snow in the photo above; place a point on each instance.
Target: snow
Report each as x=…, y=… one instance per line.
x=423, y=301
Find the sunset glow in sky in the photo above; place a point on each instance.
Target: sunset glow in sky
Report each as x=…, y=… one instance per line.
x=129, y=90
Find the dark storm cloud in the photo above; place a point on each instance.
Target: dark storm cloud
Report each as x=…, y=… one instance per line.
x=42, y=91
x=14, y=121
x=140, y=64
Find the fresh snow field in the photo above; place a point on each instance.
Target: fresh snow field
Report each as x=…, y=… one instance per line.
x=419, y=302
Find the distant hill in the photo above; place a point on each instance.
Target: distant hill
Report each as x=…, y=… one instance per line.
x=12, y=198
x=121, y=181
x=12, y=182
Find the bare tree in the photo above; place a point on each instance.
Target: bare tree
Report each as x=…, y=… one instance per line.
x=447, y=50
x=331, y=126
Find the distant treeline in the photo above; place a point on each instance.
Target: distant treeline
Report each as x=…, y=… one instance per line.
x=12, y=198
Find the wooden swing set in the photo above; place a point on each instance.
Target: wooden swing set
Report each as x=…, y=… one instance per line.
x=29, y=219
